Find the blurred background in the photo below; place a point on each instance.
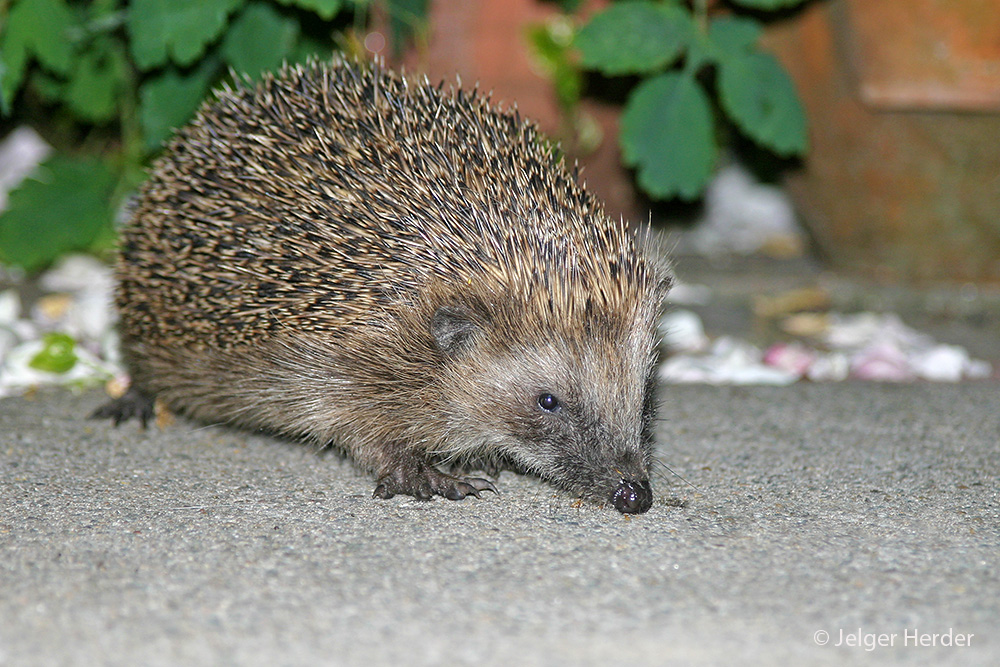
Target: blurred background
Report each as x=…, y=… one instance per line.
x=811, y=161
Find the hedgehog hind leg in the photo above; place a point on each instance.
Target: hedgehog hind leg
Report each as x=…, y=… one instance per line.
x=134, y=403
x=415, y=477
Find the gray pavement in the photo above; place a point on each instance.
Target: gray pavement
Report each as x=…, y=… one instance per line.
x=845, y=508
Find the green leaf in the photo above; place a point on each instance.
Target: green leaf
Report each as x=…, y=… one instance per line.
x=666, y=133
x=13, y=61
x=406, y=19
x=549, y=46
x=759, y=96
x=325, y=9
x=307, y=47
x=58, y=354
x=49, y=88
x=43, y=25
x=63, y=207
x=634, y=37
x=94, y=85
x=168, y=100
x=175, y=30
x=259, y=39
x=34, y=28
x=734, y=34
x=767, y=5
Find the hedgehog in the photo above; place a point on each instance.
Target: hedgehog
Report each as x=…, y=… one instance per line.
x=349, y=256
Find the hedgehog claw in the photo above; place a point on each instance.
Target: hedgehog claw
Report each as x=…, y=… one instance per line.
x=461, y=489
x=132, y=404
x=423, y=481
x=382, y=491
x=473, y=485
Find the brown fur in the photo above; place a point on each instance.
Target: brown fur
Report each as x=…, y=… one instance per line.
x=348, y=256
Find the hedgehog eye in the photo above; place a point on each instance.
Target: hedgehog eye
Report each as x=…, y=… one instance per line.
x=548, y=402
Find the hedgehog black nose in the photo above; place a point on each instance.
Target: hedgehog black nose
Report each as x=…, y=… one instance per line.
x=632, y=497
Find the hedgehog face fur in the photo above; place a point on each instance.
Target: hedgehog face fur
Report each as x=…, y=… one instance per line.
x=344, y=255
x=568, y=403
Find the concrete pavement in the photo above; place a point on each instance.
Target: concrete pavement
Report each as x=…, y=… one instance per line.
x=845, y=513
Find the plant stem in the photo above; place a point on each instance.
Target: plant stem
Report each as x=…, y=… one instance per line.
x=700, y=8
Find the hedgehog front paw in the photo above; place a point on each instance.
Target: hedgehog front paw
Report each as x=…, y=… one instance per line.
x=422, y=481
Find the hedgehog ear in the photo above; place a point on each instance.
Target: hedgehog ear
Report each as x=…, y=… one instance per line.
x=453, y=329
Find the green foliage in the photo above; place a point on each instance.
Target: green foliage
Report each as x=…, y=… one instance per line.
x=36, y=29
x=63, y=207
x=170, y=97
x=125, y=73
x=407, y=19
x=177, y=31
x=259, y=23
x=669, y=162
x=733, y=35
x=567, y=6
x=325, y=9
x=634, y=38
x=767, y=4
x=58, y=354
x=760, y=97
x=550, y=43
x=670, y=125
x=96, y=82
